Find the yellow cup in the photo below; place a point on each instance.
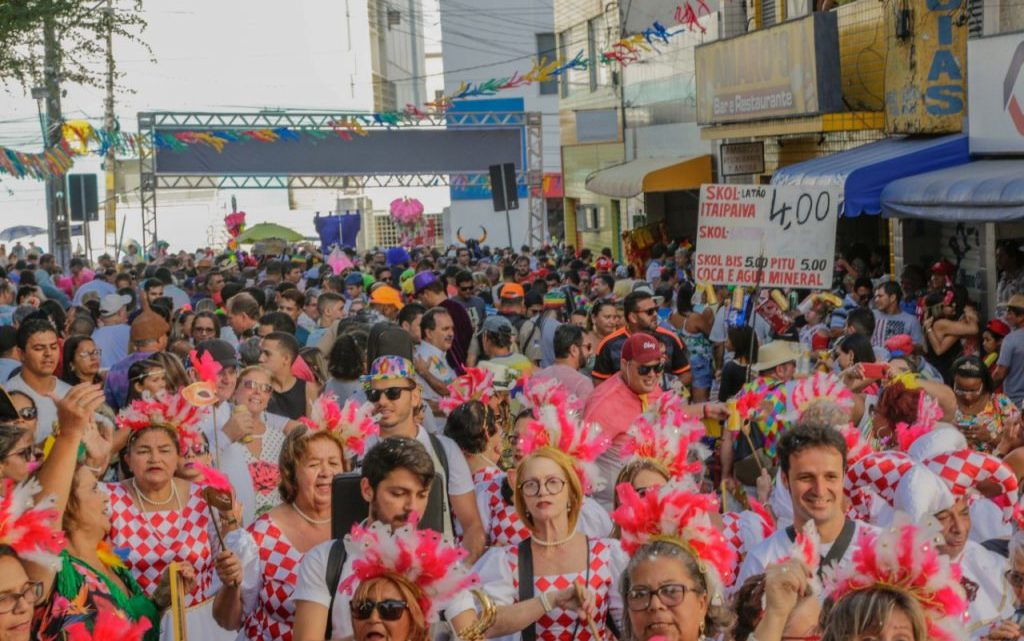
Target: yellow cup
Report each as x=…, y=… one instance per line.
x=734, y=423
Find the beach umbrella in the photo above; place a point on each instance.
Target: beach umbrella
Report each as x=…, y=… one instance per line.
x=268, y=231
x=20, y=231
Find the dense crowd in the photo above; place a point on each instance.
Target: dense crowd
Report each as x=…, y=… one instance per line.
x=537, y=445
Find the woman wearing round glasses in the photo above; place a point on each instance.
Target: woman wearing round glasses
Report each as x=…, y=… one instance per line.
x=81, y=361
x=573, y=589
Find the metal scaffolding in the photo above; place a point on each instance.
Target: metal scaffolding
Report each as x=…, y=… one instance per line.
x=153, y=180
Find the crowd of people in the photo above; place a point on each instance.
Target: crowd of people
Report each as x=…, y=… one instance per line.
x=536, y=445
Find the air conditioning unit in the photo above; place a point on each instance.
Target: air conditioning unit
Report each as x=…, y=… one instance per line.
x=394, y=18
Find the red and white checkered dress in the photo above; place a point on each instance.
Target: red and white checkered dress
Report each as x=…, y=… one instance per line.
x=606, y=563
x=155, y=539
x=274, y=614
x=501, y=523
x=485, y=474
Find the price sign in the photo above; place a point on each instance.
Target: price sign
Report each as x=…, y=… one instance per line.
x=772, y=236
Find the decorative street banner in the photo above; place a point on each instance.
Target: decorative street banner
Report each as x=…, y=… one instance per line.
x=769, y=236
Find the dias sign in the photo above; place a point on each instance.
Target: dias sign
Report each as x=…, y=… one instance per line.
x=995, y=77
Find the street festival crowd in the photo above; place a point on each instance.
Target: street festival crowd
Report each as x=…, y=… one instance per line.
x=473, y=443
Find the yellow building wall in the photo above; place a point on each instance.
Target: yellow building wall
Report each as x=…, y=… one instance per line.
x=578, y=162
x=862, y=54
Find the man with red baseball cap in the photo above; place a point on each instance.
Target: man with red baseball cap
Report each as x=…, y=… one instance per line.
x=616, y=403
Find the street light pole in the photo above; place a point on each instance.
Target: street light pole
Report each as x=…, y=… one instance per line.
x=58, y=230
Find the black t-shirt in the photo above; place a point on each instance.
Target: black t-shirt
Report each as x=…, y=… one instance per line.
x=734, y=376
x=609, y=353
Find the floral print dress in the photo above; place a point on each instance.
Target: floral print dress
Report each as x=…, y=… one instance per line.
x=998, y=414
x=263, y=468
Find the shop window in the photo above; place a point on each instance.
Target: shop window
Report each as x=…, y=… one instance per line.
x=546, y=50
x=589, y=216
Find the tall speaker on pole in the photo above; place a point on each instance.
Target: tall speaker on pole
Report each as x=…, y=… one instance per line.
x=505, y=192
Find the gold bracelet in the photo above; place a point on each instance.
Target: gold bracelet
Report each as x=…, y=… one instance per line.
x=488, y=615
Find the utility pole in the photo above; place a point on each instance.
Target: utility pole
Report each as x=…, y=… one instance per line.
x=58, y=230
x=110, y=162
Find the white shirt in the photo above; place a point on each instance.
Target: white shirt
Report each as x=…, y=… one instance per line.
x=311, y=586
x=46, y=408
x=460, y=479
x=113, y=342
x=778, y=545
x=438, y=367
x=994, y=600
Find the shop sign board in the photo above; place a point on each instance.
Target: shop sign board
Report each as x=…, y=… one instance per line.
x=995, y=80
x=741, y=158
x=924, y=71
x=790, y=69
x=767, y=235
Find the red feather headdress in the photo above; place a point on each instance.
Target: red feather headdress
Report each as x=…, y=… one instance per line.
x=170, y=411
x=110, y=624
x=420, y=557
x=679, y=515
x=32, y=529
x=474, y=385
x=668, y=436
x=905, y=559
x=558, y=428
x=351, y=425
x=817, y=388
x=541, y=393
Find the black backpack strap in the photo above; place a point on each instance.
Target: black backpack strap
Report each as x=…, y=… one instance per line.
x=443, y=458
x=839, y=546
x=529, y=633
x=335, y=561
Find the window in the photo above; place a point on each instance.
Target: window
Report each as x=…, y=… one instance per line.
x=546, y=51
x=590, y=216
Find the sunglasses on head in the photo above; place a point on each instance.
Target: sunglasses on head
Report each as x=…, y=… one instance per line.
x=392, y=393
x=389, y=609
x=644, y=370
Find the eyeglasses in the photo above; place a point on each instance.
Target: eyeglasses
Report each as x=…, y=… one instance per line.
x=392, y=393
x=203, y=330
x=650, y=311
x=96, y=353
x=389, y=609
x=29, y=413
x=32, y=593
x=26, y=454
x=531, y=488
x=670, y=594
x=1014, y=578
x=201, y=449
x=644, y=370
x=255, y=386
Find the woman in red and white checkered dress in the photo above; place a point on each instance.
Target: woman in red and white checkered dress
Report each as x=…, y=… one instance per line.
x=548, y=501
x=257, y=576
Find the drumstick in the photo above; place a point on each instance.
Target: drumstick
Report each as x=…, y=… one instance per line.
x=580, y=595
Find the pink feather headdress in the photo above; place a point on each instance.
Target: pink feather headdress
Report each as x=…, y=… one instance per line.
x=420, y=557
x=541, y=393
x=905, y=559
x=558, y=428
x=32, y=529
x=668, y=436
x=110, y=624
x=170, y=411
x=680, y=515
x=207, y=369
x=807, y=548
x=351, y=424
x=474, y=385
x=209, y=477
x=928, y=414
x=744, y=529
x=817, y=388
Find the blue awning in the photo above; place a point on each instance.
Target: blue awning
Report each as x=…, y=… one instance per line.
x=983, y=191
x=862, y=172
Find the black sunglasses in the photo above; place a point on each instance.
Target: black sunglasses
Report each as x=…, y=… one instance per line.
x=644, y=370
x=393, y=393
x=389, y=609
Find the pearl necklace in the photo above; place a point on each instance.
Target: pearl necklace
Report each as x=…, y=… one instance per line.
x=554, y=544
x=308, y=518
x=143, y=497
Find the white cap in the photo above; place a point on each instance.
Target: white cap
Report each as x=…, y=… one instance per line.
x=112, y=303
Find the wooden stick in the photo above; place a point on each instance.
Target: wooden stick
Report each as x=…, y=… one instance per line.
x=580, y=595
x=178, y=620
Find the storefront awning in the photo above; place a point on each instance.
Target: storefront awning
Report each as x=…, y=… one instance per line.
x=650, y=175
x=983, y=191
x=862, y=172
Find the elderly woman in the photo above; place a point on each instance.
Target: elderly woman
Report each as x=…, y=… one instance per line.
x=473, y=428
x=161, y=519
x=985, y=417
x=556, y=557
x=259, y=572
x=384, y=608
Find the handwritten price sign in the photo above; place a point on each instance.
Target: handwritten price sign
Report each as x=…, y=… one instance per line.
x=764, y=235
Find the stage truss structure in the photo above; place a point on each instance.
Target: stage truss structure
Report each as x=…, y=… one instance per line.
x=152, y=180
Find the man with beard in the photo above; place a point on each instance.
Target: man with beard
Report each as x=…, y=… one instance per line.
x=813, y=461
x=572, y=349
x=641, y=312
x=395, y=481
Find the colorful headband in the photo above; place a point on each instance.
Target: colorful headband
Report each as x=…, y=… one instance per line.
x=474, y=385
x=905, y=559
x=421, y=558
x=678, y=515
x=390, y=367
x=32, y=529
x=558, y=428
x=351, y=425
x=668, y=436
x=169, y=411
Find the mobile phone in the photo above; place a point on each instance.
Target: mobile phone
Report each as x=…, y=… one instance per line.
x=874, y=370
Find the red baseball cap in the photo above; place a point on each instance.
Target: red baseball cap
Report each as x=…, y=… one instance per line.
x=642, y=348
x=998, y=328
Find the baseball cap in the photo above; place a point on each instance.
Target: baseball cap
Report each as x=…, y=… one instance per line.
x=355, y=278
x=220, y=350
x=112, y=303
x=641, y=348
x=554, y=300
x=512, y=290
x=149, y=326
x=996, y=326
x=385, y=295
x=642, y=286
x=386, y=368
x=422, y=281
x=604, y=264
x=496, y=324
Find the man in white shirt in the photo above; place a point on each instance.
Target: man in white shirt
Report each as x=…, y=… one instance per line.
x=433, y=373
x=813, y=462
x=395, y=397
x=396, y=477
x=114, y=333
x=40, y=351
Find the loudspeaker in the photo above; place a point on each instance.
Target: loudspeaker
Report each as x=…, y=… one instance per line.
x=82, y=197
x=504, y=191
